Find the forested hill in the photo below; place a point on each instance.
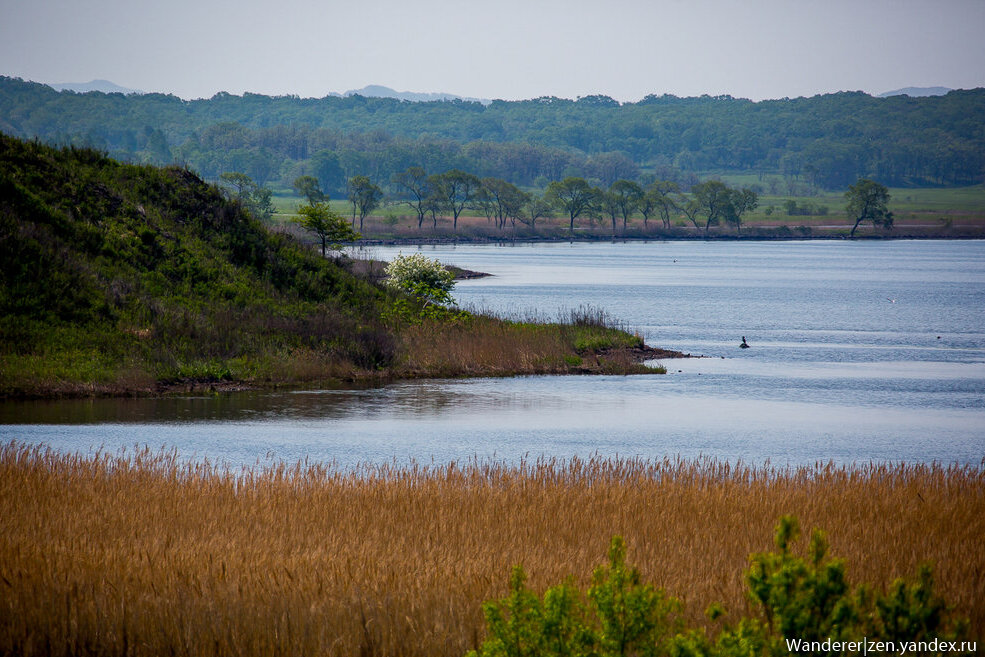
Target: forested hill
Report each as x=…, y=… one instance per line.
x=121, y=276
x=829, y=140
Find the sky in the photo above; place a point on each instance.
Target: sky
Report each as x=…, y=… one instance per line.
x=505, y=49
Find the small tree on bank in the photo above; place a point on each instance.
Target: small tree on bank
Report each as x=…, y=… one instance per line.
x=868, y=201
x=572, y=195
x=740, y=202
x=331, y=228
x=455, y=191
x=414, y=182
x=658, y=198
x=712, y=197
x=536, y=207
x=307, y=187
x=364, y=196
x=627, y=196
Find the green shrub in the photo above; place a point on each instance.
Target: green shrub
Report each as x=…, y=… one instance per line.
x=523, y=625
x=810, y=599
x=805, y=605
x=199, y=371
x=619, y=616
x=590, y=342
x=633, y=618
x=589, y=339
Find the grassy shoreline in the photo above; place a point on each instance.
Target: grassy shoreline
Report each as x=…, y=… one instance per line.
x=470, y=346
x=625, y=362
x=144, y=554
x=469, y=356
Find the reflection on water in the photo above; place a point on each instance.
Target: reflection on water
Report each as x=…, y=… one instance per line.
x=235, y=407
x=860, y=351
x=695, y=412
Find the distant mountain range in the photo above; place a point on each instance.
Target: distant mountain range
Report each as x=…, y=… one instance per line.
x=104, y=86
x=916, y=92
x=379, y=91
x=369, y=91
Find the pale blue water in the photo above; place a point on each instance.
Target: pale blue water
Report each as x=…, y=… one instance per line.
x=868, y=351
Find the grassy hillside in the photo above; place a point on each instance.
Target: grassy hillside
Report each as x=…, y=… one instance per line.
x=121, y=278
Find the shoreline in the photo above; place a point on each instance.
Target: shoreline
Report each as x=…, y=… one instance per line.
x=558, y=239
x=619, y=361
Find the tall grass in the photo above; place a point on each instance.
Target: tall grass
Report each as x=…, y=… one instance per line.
x=583, y=340
x=143, y=554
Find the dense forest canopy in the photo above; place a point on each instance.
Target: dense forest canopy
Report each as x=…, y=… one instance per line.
x=828, y=141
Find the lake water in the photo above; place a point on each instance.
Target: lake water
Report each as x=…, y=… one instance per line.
x=860, y=351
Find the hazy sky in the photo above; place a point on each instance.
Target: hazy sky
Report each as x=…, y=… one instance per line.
x=505, y=49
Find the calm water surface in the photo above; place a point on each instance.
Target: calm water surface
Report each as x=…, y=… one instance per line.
x=870, y=351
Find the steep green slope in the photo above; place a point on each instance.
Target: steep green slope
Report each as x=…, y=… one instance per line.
x=120, y=276
x=119, y=279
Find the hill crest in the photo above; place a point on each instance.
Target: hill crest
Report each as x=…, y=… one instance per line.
x=103, y=86
x=379, y=91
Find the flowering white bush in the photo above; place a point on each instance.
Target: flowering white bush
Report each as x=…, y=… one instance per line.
x=421, y=276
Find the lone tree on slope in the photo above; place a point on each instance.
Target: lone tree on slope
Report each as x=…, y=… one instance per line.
x=331, y=228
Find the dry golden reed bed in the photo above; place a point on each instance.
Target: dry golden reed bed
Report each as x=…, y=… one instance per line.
x=490, y=347
x=143, y=555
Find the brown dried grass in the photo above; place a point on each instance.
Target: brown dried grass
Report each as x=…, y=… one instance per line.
x=587, y=341
x=145, y=555
x=485, y=346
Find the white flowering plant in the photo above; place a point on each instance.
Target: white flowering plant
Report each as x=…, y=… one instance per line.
x=422, y=277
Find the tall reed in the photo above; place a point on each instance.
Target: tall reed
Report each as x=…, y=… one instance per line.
x=586, y=339
x=144, y=554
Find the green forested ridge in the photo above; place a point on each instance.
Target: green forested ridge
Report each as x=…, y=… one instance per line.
x=112, y=267
x=119, y=278
x=828, y=140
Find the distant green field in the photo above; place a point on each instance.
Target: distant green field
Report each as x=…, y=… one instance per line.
x=931, y=208
x=775, y=190
x=285, y=206
x=961, y=199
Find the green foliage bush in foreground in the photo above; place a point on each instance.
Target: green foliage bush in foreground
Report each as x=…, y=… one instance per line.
x=799, y=598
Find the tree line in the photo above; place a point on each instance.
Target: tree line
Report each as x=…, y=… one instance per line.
x=709, y=203
x=452, y=192
x=827, y=141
